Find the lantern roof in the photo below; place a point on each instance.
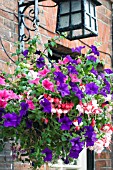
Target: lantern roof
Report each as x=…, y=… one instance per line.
x=97, y=3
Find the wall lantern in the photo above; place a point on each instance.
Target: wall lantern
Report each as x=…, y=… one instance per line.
x=77, y=18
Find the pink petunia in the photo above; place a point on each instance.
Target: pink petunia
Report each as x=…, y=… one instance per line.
x=31, y=104
x=44, y=72
x=48, y=85
x=2, y=81
x=64, y=61
x=74, y=78
x=3, y=104
x=12, y=95
x=56, y=67
x=4, y=95
x=35, y=81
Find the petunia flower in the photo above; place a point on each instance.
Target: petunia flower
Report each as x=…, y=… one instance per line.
x=72, y=69
x=77, y=147
x=30, y=104
x=94, y=71
x=48, y=85
x=24, y=109
x=74, y=78
x=11, y=120
x=108, y=71
x=91, y=88
x=63, y=89
x=59, y=76
x=48, y=154
x=78, y=49
x=90, y=135
x=2, y=81
x=43, y=73
x=46, y=105
x=66, y=123
x=35, y=81
x=94, y=50
x=25, y=53
x=92, y=58
x=40, y=62
x=29, y=123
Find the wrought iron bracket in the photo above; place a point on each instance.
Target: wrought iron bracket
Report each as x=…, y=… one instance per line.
x=27, y=18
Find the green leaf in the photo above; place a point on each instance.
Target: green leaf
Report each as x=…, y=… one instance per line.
x=50, y=51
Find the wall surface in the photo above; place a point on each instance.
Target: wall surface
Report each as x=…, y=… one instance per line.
x=47, y=17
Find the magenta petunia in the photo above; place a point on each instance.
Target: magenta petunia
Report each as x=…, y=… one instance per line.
x=48, y=85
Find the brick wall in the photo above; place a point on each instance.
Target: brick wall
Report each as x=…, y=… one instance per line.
x=47, y=16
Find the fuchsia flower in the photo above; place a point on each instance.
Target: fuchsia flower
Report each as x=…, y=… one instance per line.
x=2, y=81
x=89, y=108
x=48, y=85
x=44, y=72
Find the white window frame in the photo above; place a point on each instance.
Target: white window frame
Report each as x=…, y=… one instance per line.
x=81, y=163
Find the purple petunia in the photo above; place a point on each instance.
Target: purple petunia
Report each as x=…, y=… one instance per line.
x=63, y=89
x=90, y=135
x=72, y=69
x=91, y=58
x=103, y=92
x=11, y=120
x=91, y=88
x=108, y=71
x=78, y=49
x=46, y=105
x=59, y=76
x=66, y=123
x=25, y=53
x=48, y=154
x=77, y=147
x=94, y=71
x=71, y=60
x=107, y=87
x=24, y=109
x=40, y=62
x=77, y=91
x=94, y=50
x=29, y=123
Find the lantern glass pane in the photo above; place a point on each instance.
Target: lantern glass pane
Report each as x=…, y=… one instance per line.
x=77, y=32
x=86, y=32
x=75, y=5
x=76, y=19
x=87, y=21
x=64, y=21
x=64, y=7
x=93, y=24
x=87, y=6
x=92, y=9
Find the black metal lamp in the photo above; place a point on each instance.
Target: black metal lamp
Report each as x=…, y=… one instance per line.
x=77, y=18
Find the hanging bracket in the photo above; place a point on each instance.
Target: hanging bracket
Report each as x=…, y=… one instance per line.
x=28, y=19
